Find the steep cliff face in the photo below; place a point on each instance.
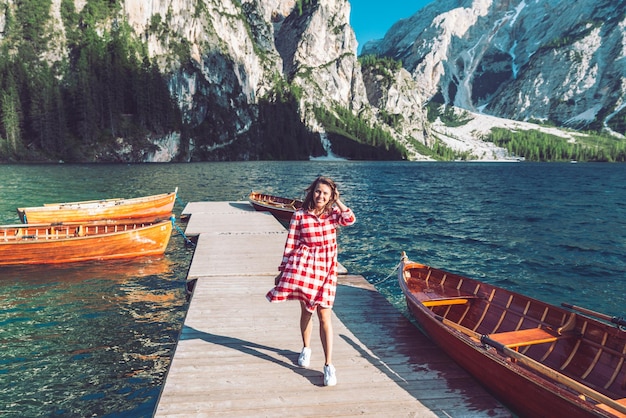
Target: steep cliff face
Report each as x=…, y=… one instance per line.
x=394, y=97
x=241, y=54
x=318, y=50
x=525, y=60
x=238, y=56
x=219, y=58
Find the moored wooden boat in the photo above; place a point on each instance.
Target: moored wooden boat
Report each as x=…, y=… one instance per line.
x=282, y=208
x=76, y=241
x=147, y=207
x=539, y=359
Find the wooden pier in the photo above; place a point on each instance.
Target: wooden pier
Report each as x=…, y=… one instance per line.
x=237, y=353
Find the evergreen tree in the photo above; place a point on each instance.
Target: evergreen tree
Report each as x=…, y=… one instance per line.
x=11, y=116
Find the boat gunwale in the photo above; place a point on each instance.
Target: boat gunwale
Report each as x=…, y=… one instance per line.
x=7, y=239
x=98, y=203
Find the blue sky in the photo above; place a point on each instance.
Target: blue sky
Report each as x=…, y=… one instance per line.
x=371, y=19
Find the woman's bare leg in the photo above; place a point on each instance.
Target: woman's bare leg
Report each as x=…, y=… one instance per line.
x=306, y=325
x=326, y=332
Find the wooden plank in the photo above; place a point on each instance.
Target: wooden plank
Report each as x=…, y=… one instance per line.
x=216, y=207
x=237, y=254
x=233, y=223
x=524, y=337
x=445, y=302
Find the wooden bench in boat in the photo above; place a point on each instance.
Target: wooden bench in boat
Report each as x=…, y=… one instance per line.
x=455, y=300
x=524, y=337
x=531, y=336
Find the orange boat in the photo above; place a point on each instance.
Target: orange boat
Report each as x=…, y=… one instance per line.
x=539, y=359
x=76, y=241
x=282, y=208
x=148, y=207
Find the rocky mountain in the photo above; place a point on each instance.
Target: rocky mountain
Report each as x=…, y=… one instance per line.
x=530, y=60
x=248, y=79
x=200, y=80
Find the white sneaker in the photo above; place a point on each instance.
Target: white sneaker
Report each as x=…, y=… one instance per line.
x=330, y=378
x=305, y=357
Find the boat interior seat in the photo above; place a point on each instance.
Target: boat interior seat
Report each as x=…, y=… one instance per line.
x=459, y=300
x=524, y=337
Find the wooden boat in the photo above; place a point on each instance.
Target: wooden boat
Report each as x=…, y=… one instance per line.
x=282, y=208
x=76, y=241
x=540, y=360
x=156, y=207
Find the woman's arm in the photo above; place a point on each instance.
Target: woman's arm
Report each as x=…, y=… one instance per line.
x=341, y=205
x=293, y=239
x=346, y=217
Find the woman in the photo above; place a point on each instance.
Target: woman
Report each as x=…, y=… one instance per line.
x=308, y=271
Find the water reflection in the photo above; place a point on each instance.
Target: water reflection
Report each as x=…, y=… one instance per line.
x=115, y=270
x=89, y=338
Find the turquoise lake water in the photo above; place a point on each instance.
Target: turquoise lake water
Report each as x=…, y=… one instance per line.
x=95, y=339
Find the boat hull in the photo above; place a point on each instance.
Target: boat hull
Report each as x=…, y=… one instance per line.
x=516, y=389
x=74, y=242
x=526, y=392
x=145, y=208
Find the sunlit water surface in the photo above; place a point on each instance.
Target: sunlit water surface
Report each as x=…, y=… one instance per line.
x=96, y=338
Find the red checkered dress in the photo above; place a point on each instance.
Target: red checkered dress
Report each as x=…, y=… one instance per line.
x=309, y=266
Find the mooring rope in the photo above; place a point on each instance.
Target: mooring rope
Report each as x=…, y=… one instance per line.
x=180, y=231
x=388, y=277
x=180, y=202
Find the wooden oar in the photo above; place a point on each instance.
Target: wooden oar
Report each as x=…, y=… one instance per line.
x=613, y=319
x=535, y=365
